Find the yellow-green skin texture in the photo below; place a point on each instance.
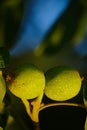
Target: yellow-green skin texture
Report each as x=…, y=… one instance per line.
x=62, y=83
x=28, y=83
x=2, y=88
x=1, y=128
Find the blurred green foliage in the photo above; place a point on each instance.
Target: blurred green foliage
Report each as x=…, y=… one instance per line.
x=66, y=31
x=11, y=12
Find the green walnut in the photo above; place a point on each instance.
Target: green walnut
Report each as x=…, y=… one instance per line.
x=62, y=83
x=2, y=88
x=28, y=82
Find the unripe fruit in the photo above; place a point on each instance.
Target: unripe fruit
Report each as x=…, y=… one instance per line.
x=2, y=88
x=62, y=83
x=29, y=81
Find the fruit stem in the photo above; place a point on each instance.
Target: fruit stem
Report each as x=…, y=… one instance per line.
x=36, y=107
x=62, y=103
x=27, y=106
x=33, y=114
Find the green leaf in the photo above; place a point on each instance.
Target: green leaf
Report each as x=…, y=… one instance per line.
x=2, y=88
x=62, y=83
